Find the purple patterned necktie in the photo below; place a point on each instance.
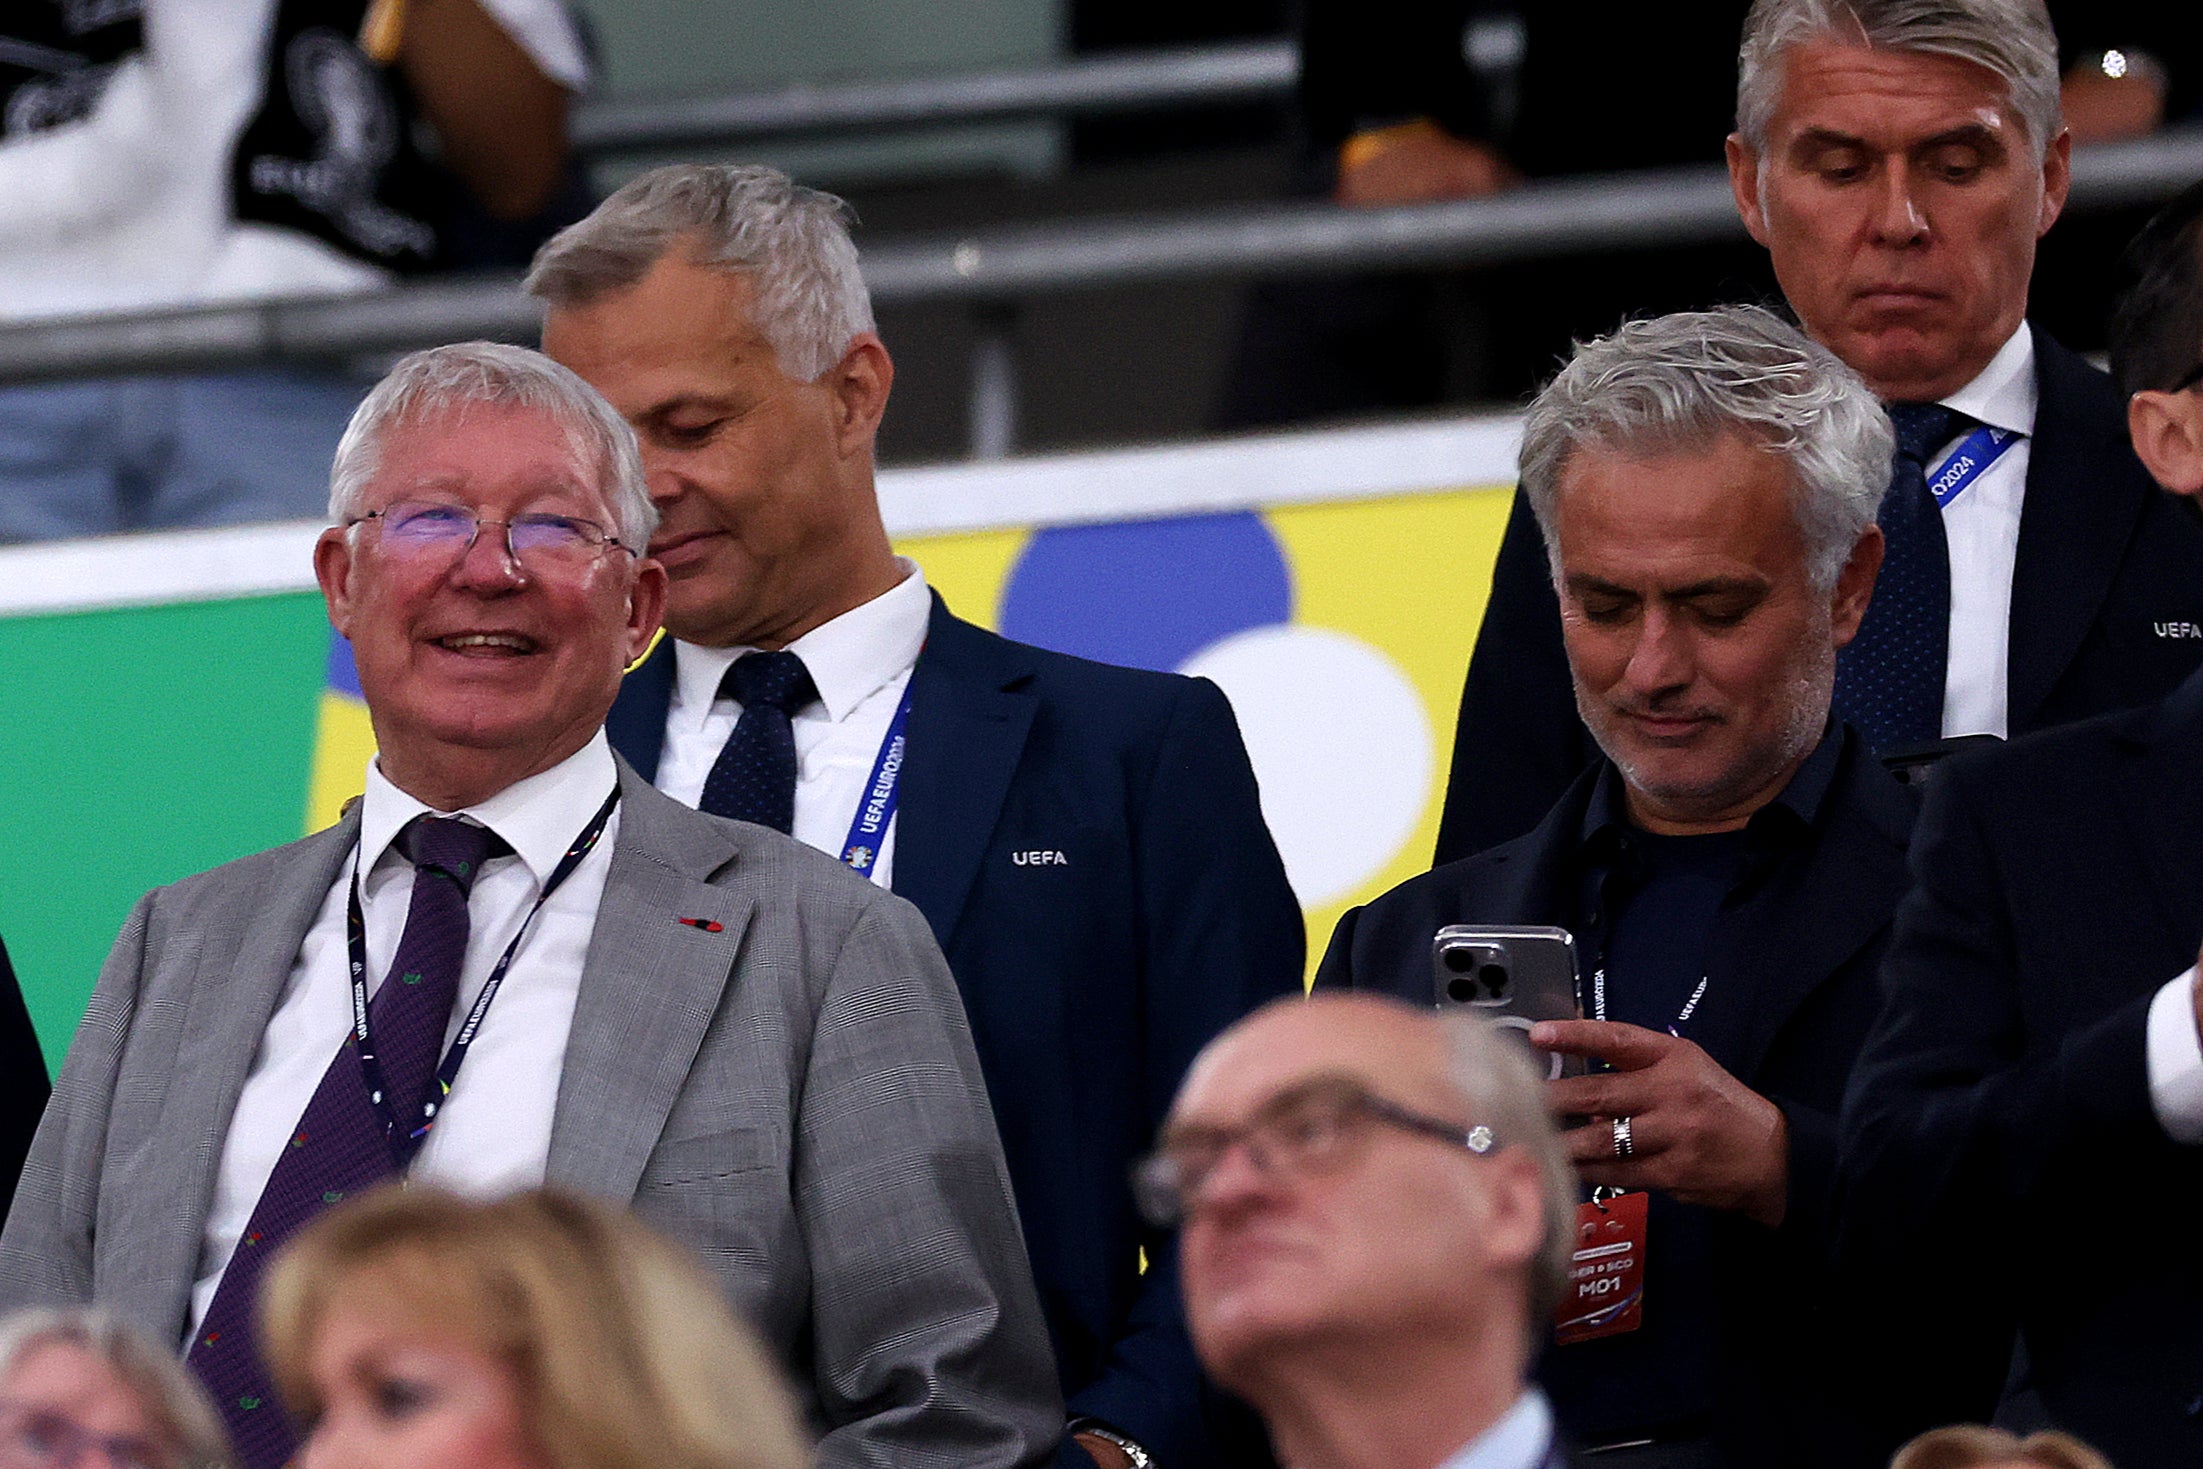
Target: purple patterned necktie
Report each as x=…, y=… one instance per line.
x=754, y=778
x=340, y=1145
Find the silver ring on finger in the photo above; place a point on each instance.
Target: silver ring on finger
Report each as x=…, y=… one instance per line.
x=1623, y=1146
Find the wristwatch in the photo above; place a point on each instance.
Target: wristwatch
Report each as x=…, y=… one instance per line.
x=1141, y=1458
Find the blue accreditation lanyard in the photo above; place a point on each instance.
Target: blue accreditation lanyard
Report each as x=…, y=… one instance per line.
x=1968, y=462
x=882, y=793
x=406, y=1141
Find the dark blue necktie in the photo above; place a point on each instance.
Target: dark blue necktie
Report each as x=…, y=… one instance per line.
x=1889, y=681
x=340, y=1145
x=754, y=778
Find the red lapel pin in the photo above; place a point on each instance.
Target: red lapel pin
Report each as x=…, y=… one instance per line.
x=706, y=924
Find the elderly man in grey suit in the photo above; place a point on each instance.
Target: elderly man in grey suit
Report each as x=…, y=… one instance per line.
x=514, y=962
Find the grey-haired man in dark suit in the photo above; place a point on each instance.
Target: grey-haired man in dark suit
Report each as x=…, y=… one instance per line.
x=1706, y=484
x=2038, y=1061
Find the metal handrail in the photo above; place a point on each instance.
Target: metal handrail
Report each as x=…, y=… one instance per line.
x=1573, y=216
x=1608, y=212
x=1130, y=81
x=1639, y=210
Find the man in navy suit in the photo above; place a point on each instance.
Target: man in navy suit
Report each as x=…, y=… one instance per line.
x=1706, y=484
x=2023, y=1140
x=1900, y=191
x=1086, y=841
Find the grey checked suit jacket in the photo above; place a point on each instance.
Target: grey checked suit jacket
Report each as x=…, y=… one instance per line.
x=795, y=1096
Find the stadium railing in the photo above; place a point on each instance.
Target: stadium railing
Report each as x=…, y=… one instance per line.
x=990, y=271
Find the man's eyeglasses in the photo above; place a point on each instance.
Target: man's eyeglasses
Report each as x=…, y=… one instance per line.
x=2195, y=375
x=1318, y=1126
x=40, y=1438
x=423, y=529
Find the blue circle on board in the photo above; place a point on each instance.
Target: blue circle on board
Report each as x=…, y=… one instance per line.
x=343, y=676
x=1147, y=593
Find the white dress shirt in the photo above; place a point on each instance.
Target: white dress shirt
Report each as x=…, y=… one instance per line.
x=493, y=1134
x=861, y=663
x=1519, y=1440
x=2176, y=1061
x=1982, y=528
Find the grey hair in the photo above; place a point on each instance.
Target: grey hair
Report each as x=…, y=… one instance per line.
x=2012, y=39
x=445, y=379
x=1677, y=383
x=165, y=1391
x=791, y=242
x=1505, y=1092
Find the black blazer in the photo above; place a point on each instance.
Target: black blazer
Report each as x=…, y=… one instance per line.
x=1090, y=982
x=2107, y=613
x=24, y=1085
x=1787, y=1004
x=2003, y=1166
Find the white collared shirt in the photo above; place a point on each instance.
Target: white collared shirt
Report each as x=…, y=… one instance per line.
x=2175, y=1061
x=1982, y=529
x=1519, y=1440
x=493, y=1134
x=861, y=662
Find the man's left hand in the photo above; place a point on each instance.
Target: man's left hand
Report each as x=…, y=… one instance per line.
x=1696, y=1132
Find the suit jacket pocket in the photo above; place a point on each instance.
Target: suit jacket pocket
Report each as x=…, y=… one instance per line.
x=713, y=1157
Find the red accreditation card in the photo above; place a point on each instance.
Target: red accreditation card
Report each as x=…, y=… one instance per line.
x=1606, y=1275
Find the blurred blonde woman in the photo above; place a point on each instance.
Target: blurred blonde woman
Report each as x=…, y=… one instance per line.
x=418, y=1330
x=78, y=1387
x=1974, y=1446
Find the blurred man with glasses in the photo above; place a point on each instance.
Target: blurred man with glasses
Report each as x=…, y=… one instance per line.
x=1376, y=1220
x=515, y=962
x=2028, y=1115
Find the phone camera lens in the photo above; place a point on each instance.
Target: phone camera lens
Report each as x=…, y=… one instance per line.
x=1495, y=980
x=1461, y=990
x=1459, y=960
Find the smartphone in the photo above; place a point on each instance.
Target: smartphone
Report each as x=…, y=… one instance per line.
x=1512, y=974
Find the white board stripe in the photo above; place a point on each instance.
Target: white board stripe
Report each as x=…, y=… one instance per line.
x=1293, y=468
x=1215, y=475
x=157, y=567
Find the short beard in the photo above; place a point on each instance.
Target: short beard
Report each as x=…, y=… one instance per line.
x=1811, y=681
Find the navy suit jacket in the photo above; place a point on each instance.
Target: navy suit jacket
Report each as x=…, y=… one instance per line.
x=2107, y=600
x=1090, y=982
x=1790, y=995
x=2003, y=1165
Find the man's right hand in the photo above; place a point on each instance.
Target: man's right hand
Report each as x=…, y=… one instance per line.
x=1700, y=1135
